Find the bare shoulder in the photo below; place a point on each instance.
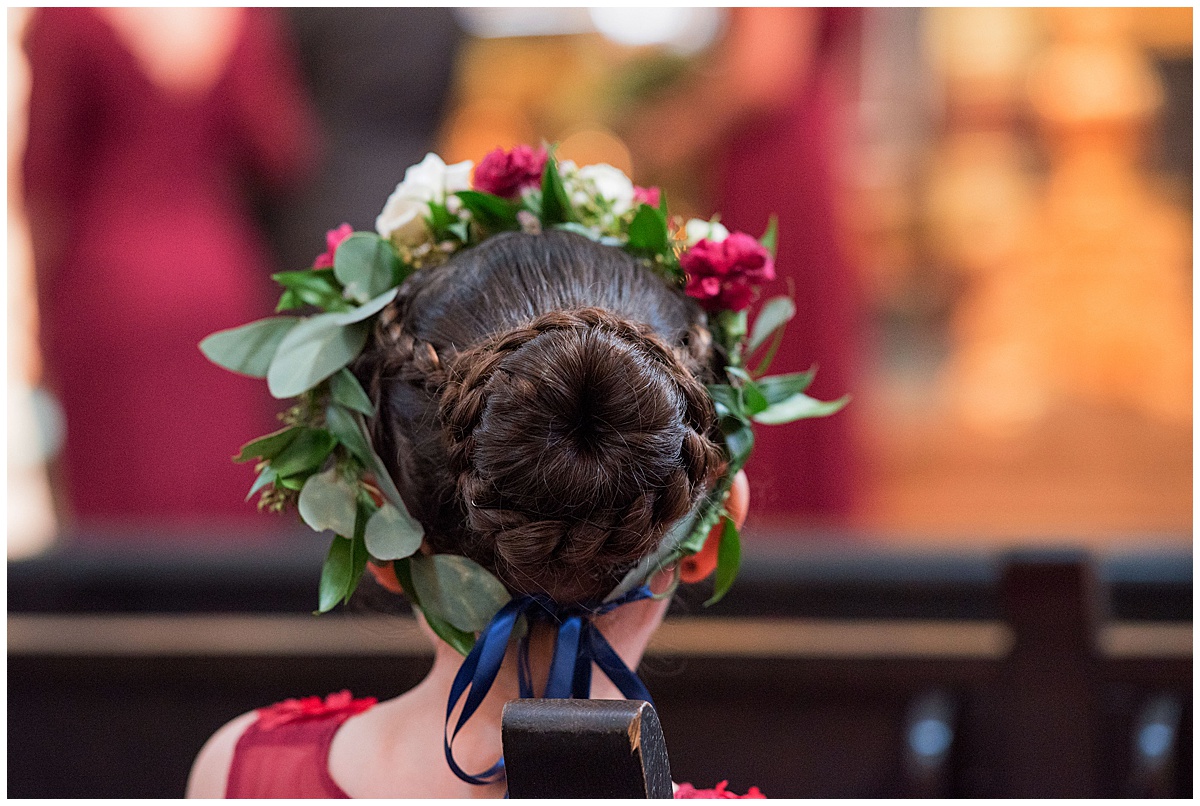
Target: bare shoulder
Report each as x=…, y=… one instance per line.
x=210, y=772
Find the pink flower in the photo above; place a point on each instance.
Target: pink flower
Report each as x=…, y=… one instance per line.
x=507, y=173
x=687, y=791
x=288, y=711
x=333, y=239
x=723, y=275
x=650, y=196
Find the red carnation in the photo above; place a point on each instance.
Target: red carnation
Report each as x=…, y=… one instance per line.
x=723, y=275
x=507, y=173
x=719, y=792
x=650, y=196
x=333, y=239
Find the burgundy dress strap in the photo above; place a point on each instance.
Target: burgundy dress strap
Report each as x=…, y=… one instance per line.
x=285, y=752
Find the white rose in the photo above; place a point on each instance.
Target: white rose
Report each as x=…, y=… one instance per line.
x=698, y=229
x=427, y=182
x=611, y=184
x=403, y=220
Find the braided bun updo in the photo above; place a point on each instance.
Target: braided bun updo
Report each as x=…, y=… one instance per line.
x=542, y=410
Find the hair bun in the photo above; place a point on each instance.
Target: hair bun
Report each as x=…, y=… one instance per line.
x=576, y=441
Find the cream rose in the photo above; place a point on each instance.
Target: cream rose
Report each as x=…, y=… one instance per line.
x=428, y=182
x=610, y=184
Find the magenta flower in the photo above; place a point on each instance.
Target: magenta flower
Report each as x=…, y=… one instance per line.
x=333, y=239
x=723, y=275
x=506, y=173
x=650, y=196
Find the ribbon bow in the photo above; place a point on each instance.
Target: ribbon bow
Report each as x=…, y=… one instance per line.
x=578, y=644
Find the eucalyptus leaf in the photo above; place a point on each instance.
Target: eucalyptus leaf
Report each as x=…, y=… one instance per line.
x=319, y=346
x=315, y=349
x=328, y=502
x=308, y=451
x=458, y=590
x=775, y=313
x=248, y=349
x=268, y=447
x=335, y=574
x=799, y=407
x=461, y=640
x=348, y=392
x=390, y=534
x=366, y=265
x=729, y=559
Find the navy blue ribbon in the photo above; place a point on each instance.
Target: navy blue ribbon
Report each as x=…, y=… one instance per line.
x=578, y=644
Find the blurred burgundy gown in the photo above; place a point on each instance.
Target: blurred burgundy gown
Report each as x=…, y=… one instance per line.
x=786, y=163
x=142, y=194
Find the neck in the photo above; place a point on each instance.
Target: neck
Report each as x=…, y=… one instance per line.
x=478, y=745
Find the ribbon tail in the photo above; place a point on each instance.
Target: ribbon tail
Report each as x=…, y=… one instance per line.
x=567, y=648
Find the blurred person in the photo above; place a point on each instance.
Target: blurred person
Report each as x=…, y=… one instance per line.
x=379, y=79
x=765, y=111
x=146, y=127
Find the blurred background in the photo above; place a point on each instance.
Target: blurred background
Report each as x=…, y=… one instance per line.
x=985, y=220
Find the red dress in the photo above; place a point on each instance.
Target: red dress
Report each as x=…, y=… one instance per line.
x=786, y=163
x=142, y=194
x=285, y=752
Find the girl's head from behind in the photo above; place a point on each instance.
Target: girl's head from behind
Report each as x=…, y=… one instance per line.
x=542, y=409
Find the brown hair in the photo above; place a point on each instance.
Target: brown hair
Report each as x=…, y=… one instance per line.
x=541, y=409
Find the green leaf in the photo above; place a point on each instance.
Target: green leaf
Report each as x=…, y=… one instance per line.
x=358, y=551
x=461, y=640
x=366, y=265
x=308, y=451
x=648, y=231
x=755, y=400
x=268, y=447
x=775, y=313
x=319, y=346
x=317, y=287
x=336, y=574
x=248, y=349
x=729, y=558
x=348, y=392
x=343, y=426
x=778, y=388
x=771, y=235
x=492, y=213
x=799, y=407
x=291, y=483
x=458, y=590
x=328, y=502
x=739, y=442
x=289, y=301
x=375, y=463
x=769, y=355
x=461, y=230
x=556, y=205
x=725, y=399
x=267, y=476
x=390, y=534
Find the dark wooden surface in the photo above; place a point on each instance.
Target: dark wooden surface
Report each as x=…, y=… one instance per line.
x=585, y=749
x=1057, y=714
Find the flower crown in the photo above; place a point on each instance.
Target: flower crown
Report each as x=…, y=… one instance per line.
x=323, y=460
